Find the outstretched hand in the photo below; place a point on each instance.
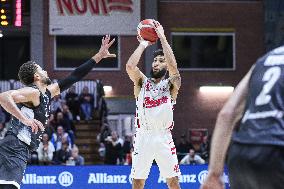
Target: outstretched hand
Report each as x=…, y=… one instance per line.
x=159, y=29
x=104, y=52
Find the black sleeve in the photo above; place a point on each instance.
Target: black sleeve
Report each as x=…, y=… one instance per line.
x=76, y=75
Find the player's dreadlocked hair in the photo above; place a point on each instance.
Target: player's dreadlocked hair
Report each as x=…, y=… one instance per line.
x=26, y=72
x=158, y=52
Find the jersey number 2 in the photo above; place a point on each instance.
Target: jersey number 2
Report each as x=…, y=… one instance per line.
x=270, y=77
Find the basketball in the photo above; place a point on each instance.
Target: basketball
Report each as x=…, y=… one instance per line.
x=146, y=30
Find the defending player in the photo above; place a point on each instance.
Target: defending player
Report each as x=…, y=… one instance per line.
x=255, y=156
x=30, y=109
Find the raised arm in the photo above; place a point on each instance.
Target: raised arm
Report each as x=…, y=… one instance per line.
x=84, y=69
x=9, y=99
x=227, y=119
x=170, y=59
x=131, y=66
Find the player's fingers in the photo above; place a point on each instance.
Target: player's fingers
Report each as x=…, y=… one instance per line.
x=107, y=39
x=32, y=127
x=152, y=23
x=112, y=41
x=156, y=28
x=40, y=125
x=35, y=127
x=139, y=38
x=155, y=24
x=111, y=55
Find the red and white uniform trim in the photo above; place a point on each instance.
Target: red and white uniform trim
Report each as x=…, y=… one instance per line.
x=153, y=139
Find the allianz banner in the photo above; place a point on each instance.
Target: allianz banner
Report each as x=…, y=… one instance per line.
x=105, y=177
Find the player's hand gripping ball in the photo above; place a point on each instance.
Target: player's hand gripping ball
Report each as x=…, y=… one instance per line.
x=146, y=31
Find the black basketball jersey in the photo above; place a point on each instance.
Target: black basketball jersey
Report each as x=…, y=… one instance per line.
x=262, y=122
x=40, y=113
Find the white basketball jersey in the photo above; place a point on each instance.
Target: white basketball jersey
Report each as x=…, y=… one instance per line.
x=154, y=107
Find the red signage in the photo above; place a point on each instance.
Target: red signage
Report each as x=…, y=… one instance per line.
x=95, y=7
x=196, y=135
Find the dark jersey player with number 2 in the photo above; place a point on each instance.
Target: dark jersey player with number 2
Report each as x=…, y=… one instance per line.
x=256, y=153
x=29, y=107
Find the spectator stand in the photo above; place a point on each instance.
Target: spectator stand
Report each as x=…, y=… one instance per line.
x=5, y=86
x=92, y=85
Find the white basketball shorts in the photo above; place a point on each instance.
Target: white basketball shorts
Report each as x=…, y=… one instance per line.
x=155, y=145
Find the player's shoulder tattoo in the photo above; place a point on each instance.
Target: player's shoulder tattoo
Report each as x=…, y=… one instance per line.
x=175, y=80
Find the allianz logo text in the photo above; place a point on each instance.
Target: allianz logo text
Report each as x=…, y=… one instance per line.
x=64, y=179
x=194, y=178
x=97, y=178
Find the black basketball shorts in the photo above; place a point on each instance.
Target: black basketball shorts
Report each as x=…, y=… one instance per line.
x=255, y=166
x=13, y=160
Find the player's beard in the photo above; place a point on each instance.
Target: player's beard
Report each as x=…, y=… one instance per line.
x=159, y=74
x=46, y=81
